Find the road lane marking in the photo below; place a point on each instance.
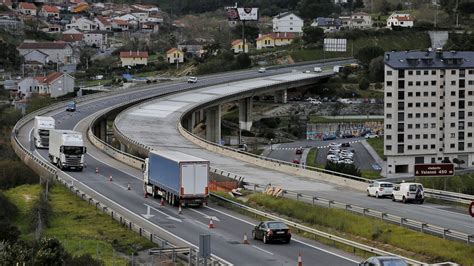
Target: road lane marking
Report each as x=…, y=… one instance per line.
x=261, y=249
x=165, y=214
x=214, y=218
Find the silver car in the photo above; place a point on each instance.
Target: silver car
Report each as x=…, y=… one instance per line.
x=384, y=261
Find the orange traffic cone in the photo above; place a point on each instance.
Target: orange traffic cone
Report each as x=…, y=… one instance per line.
x=211, y=225
x=300, y=261
x=110, y=177
x=162, y=202
x=128, y=187
x=97, y=170
x=179, y=210
x=245, y=239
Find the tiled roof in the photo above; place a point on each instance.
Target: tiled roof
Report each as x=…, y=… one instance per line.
x=25, y=5
x=429, y=60
x=132, y=54
x=172, y=50
x=50, y=9
x=103, y=20
x=43, y=45
x=278, y=35
x=236, y=42
x=120, y=22
x=51, y=77
x=73, y=37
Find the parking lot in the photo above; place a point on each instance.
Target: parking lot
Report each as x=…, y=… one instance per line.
x=362, y=158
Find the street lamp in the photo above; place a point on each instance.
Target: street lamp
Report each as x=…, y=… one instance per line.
x=271, y=144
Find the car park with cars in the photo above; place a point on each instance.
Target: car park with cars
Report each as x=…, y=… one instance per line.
x=380, y=189
x=272, y=230
x=406, y=192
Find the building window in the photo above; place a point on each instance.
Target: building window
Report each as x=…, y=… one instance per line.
x=453, y=83
x=418, y=72
x=418, y=104
x=388, y=126
x=425, y=125
x=410, y=115
x=389, y=73
x=433, y=125
x=433, y=72
x=418, y=83
x=433, y=136
x=409, y=147
x=453, y=93
x=453, y=103
x=453, y=114
x=452, y=145
x=433, y=104
x=433, y=115
x=389, y=94
x=389, y=83
x=425, y=147
x=417, y=147
x=453, y=135
x=410, y=72
x=389, y=137
x=410, y=136
x=469, y=145
x=388, y=147
x=453, y=72
x=453, y=124
x=410, y=83
x=389, y=105
x=410, y=126
x=417, y=136
x=433, y=83
x=417, y=94
x=389, y=115
x=410, y=105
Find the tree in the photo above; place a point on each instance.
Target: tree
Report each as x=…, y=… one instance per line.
x=364, y=83
x=310, y=9
x=366, y=54
x=376, y=69
x=9, y=56
x=251, y=32
x=243, y=61
x=312, y=34
x=358, y=4
x=50, y=252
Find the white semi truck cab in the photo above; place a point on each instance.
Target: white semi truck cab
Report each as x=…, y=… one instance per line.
x=43, y=125
x=66, y=149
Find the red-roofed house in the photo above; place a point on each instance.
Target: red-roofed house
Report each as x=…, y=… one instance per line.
x=132, y=58
x=400, y=20
x=103, y=23
x=73, y=37
x=48, y=11
x=174, y=55
x=54, y=84
x=237, y=46
x=119, y=24
x=275, y=39
x=27, y=8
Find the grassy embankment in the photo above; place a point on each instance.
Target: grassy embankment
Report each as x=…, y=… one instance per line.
x=80, y=227
x=377, y=144
x=366, y=230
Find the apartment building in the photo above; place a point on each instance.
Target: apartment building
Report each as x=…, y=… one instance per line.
x=429, y=109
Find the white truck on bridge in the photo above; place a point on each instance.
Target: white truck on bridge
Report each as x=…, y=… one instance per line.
x=178, y=178
x=43, y=125
x=66, y=149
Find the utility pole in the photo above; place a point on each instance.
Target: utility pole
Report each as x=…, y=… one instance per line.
x=243, y=35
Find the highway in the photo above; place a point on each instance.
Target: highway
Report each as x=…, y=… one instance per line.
x=230, y=227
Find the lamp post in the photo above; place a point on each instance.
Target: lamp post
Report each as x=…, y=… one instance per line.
x=271, y=144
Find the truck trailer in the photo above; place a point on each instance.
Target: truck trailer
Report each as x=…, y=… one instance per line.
x=66, y=149
x=178, y=178
x=43, y=125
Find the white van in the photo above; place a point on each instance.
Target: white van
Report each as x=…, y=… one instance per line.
x=408, y=192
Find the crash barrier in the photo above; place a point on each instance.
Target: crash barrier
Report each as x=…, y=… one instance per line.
x=314, y=232
x=423, y=227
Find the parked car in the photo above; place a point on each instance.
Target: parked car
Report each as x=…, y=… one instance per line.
x=296, y=161
x=371, y=136
x=346, y=161
x=348, y=136
x=332, y=157
x=384, y=261
x=345, y=144
x=262, y=70
x=329, y=137
x=318, y=69
x=380, y=189
x=315, y=102
x=334, y=144
x=299, y=150
x=272, y=230
x=242, y=147
x=406, y=192
x=334, y=152
x=192, y=80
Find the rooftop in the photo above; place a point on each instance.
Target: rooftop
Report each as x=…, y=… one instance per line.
x=133, y=54
x=429, y=59
x=43, y=45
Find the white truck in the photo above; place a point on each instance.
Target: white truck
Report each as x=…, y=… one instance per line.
x=178, y=178
x=66, y=149
x=43, y=125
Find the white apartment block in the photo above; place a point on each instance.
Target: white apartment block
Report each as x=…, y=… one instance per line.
x=429, y=107
x=287, y=22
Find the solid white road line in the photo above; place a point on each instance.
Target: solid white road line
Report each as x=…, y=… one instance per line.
x=261, y=249
x=214, y=218
x=165, y=214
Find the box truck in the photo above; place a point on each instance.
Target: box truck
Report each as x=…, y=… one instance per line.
x=66, y=149
x=43, y=125
x=178, y=178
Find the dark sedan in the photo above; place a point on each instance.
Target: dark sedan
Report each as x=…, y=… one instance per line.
x=272, y=230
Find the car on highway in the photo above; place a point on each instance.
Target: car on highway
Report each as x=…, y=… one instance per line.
x=272, y=230
x=318, y=69
x=71, y=106
x=306, y=71
x=384, y=261
x=406, y=192
x=315, y=102
x=380, y=189
x=262, y=70
x=371, y=136
x=192, y=80
x=299, y=150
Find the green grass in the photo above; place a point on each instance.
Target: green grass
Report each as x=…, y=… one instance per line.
x=23, y=197
x=368, y=230
x=80, y=227
x=311, y=158
x=459, y=183
x=370, y=174
x=377, y=144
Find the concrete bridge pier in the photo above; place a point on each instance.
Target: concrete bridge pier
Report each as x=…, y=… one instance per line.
x=245, y=113
x=100, y=130
x=281, y=96
x=213, y=123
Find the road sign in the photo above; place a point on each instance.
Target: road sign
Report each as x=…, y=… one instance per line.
x=444, y=169
x=205, y=246
x=471, y=209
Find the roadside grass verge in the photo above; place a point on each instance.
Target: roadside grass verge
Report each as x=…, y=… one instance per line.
x=369, y=174
x=365, y=230
x=23, y=197
x=377, y=144
x=311, y=159
x=80, y=227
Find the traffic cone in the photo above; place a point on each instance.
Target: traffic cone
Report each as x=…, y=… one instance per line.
x=97, y=170
x=110, y=177
x=211, y=225
x=300, y=261
x=128, y=187
x=245, y=239
x=162, y=202
x=179, y=210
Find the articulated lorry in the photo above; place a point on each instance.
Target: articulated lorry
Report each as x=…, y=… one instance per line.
x=66, y=149
x=178, y=178
x=43, y=125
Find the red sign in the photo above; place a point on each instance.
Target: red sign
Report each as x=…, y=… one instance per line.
x=434, y=169
x=471, y=209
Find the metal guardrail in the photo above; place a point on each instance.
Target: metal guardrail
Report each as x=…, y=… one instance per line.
x=449, y=196
x=317, y=232
x=423, y=227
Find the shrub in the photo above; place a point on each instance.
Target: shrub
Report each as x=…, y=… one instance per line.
x=364, y=83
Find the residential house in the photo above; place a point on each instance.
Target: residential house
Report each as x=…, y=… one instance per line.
x=82, y=24
x=7, y=3
x=360, y=20
x=48, y=11
x=52, y=29
x=237, y=46
x=26, y=8
x=55, y=84
x=150, y=27
x=146, y=8
x=130, y=58
x=404, y=20
x=287, y=22
x=275, y=39
x=174, y=55
x=191, y=48
x=58, y=52
x=35, y=60
x=103, y=23
x=73, y=37
x=120, y=25
x=327, y=24
x=96, y=39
